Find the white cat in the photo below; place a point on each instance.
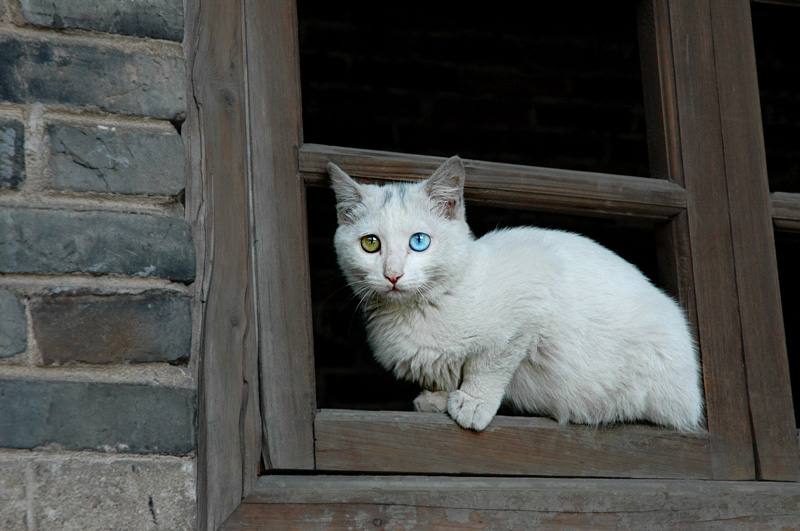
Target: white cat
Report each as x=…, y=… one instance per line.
x=550, y=321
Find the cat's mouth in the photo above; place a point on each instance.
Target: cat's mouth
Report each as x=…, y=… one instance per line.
x=395, y=292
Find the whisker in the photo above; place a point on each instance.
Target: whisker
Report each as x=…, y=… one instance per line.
x=334, y=292
x=367, y=294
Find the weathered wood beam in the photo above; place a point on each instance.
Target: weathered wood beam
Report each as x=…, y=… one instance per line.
x=786, y=211
x=712, y=250
x=430, y=443
x=279, y=235
x=389, y=502
x=507, y=185
x=755, y=263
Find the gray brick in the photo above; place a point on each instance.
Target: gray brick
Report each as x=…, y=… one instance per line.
x=13, y=494
x=113, y=80
x=159, y=19
x=13, y=325
x=57, y=241
x=99, y=160
x=152, y=326
x=12, y=153
x=110, y=492
x=97, y=416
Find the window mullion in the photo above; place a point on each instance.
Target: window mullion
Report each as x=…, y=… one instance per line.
x=719, y=331
x=763, y=337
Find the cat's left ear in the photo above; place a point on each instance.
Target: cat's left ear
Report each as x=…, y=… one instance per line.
x=446, y=188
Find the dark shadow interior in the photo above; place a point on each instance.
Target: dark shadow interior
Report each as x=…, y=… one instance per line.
x=774, y=32
x=561, y=90
x=787, y=246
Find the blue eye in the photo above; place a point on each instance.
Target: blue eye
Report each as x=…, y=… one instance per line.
x=419, y=242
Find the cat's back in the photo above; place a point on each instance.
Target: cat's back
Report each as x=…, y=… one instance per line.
x=567, y=268
x=561, y=252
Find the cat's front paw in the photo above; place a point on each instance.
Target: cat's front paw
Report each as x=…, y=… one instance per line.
x=431, y=402
x=470, y=412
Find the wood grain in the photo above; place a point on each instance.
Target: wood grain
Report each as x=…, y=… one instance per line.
x=793, y=3
x=674, y=254
x=507, y=185
x=763, y=338
x=719, y=328
x=228, y=424
x=393, y=502
x=786, y=211
x=429, y=443
x=664, y=149
x=279, y=235
x=660, y=93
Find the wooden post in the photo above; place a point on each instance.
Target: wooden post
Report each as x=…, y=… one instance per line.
x=763, y=338
x=215, y=132
x=719, y=329
x=280, y=237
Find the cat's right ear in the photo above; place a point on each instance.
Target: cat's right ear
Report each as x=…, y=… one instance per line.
x=446, y=188
x=349, y=198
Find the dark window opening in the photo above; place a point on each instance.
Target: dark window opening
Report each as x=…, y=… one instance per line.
x=787, y=246
x=561, y=89
x=775, y=35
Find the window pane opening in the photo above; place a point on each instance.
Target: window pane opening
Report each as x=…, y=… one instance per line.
x=787, y=246
x=774, y=32
x=559, y=90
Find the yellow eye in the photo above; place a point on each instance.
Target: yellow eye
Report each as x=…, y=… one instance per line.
x=370, y=243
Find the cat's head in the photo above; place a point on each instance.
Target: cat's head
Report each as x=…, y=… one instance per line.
x=405, y=241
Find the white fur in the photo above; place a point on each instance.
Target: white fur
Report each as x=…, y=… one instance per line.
x=549, y=321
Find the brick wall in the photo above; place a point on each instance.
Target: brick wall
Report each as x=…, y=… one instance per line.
x=97, y=381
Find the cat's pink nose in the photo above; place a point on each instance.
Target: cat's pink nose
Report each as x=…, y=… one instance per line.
x=393, y=278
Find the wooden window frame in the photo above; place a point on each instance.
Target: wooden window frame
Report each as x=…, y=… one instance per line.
x=708, y=186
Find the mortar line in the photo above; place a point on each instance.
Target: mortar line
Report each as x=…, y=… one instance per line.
x=30, y=478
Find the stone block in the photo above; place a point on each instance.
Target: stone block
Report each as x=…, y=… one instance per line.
x=13, y=494
x=90, y=328
x=158, y=19
x=58, y=241
x=13, y=325
x=117, y=417
x=82, y=75
x=115, y=493
x=12, y=153
x=124, y=162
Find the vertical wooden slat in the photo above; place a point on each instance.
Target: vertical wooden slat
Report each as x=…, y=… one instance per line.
x=674, y=254
x=768, y=384
x=215, y=133
x=280, y=236
x=664, y=148
x=660, y=93
x=709, y=223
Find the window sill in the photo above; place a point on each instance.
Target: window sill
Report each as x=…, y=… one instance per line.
x=431, y=443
